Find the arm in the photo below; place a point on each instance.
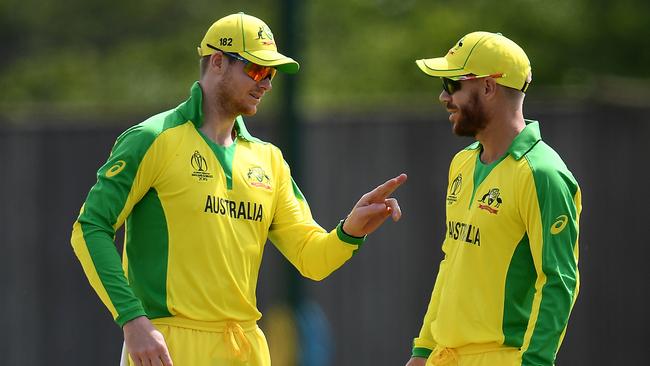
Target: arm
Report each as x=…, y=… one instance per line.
x=145, y=344
x=108, y=204
x=313, y=251
x=417, y=361
x=424, y=344
x=121, y=182
x=551, y=209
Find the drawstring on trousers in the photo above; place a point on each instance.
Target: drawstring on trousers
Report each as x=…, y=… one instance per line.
x=443, y=356
x=240, y=347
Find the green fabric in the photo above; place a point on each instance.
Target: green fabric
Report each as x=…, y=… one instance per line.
x=103, y=205
x=148, y=249
x=556, y=188
x=421, y=352
x=240, y=127
x=192, y=110
x=106, y=201
x=296, y=191
x=348, y=238
x=521, y=144
x=526, y=139
x=225, y=155
x=481, y=171
x=519, y=293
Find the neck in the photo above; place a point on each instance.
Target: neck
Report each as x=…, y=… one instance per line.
x=497, y=136
x=218, y=122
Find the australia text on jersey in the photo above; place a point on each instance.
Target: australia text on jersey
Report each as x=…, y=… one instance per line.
x=465, y=232
x=238, y=210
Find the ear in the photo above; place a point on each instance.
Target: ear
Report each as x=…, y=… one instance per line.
x=217, y=60
x=489, y=88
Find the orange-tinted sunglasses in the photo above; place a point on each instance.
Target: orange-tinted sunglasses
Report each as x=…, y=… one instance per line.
x=255, y=71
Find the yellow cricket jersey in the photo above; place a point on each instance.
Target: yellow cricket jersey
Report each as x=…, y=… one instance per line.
x=509, y=273
x=197, y=218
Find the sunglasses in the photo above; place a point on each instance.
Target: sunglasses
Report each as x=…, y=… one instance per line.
x=253, y=70
x=453, y=85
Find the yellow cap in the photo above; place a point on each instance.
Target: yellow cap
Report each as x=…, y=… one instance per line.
x=249, y=37
x=483, y=53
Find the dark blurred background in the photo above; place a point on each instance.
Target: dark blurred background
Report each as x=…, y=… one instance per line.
x=74, y=74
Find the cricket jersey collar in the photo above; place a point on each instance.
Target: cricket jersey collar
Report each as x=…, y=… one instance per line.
x=192, y=110
x=522, y=143
x=527, y=138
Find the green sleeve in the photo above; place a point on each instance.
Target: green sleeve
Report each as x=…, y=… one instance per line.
x=552, y=213
x=108, y=203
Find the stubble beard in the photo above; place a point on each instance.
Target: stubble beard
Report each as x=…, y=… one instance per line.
x=472, y=118
x=229, y=103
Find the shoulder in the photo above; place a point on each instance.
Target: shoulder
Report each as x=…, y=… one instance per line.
x=468, y=152
x=145, y=133
x=548, y=169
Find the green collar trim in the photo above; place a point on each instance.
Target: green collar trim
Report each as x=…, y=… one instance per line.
x=526, y=139
x=522, y=143
x=192, y=110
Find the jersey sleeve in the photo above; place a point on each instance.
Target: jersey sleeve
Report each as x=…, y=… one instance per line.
x=424, y=344
x=121, y=182
x=315, y=252
x=550, y=207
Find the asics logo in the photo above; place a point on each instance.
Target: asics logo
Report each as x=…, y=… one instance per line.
x=559, y=224
x=116, y=168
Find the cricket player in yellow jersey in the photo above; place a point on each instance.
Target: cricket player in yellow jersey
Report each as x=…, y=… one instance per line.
x=199, y=197
x=509, y=277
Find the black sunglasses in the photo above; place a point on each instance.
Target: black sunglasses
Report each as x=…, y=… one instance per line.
x=451, y=86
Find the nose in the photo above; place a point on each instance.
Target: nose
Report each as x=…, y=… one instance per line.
x=265, y=84
x=444, y=97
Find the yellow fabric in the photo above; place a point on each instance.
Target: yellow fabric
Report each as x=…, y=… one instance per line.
x=488, y=354
x=508, y=270
x=221, y=281
x=239, y=346
x=198, y=217
x=249, y=37
x=81, y=250
x=228, y=344
x=483, y=53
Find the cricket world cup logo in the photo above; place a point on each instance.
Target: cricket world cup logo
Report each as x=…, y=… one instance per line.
x=200, y=166
x=198, y=162
x=454, y=188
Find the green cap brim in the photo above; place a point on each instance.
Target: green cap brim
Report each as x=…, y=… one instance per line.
x=272, y=58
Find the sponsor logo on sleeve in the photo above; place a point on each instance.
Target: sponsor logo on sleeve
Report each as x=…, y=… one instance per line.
x=116, y=168
x=559, y=224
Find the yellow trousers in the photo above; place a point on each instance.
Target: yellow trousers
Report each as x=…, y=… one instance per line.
x=193, y=343
x=489, y=354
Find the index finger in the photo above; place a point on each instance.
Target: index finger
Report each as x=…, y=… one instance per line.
x=383, y=191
